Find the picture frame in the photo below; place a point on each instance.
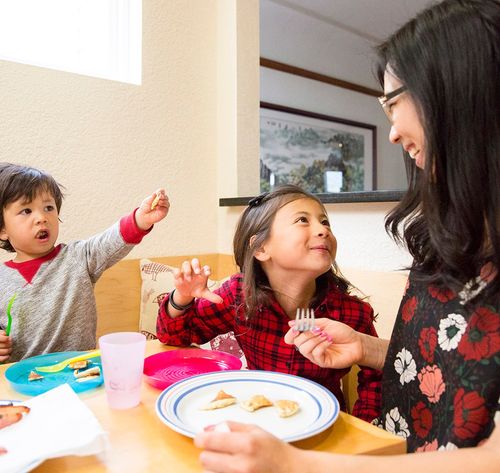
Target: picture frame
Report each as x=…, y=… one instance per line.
x=320, y=153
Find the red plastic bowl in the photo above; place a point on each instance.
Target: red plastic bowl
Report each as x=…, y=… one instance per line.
x=165, y=368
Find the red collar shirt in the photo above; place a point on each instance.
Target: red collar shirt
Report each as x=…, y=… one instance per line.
x=262, y=337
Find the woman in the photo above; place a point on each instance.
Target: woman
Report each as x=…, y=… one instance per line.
x=441, y=381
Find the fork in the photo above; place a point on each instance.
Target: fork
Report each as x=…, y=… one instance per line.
x=304, y=320
x=62, y=364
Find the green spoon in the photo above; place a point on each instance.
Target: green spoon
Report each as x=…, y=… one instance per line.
x=9, y=316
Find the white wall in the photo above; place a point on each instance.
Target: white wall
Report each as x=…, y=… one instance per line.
x=189, y=127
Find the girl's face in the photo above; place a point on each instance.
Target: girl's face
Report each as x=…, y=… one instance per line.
x=301, y=240
x=406, y=128
x=31, y=227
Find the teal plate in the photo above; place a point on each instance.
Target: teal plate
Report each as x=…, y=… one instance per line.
x=18, y=373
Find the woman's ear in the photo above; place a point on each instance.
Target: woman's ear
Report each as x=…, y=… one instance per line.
x=260, y=253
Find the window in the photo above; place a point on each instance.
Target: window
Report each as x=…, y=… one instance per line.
x=100, y=38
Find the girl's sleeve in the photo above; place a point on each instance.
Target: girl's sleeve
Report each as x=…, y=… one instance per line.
x=202, y=321
x=368, y=404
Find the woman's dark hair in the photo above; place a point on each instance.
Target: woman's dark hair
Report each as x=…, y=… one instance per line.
x=253, y=230
x=18, y=182
x=448, y=57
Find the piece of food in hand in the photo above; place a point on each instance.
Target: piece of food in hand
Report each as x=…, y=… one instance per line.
x=34, y=376
x=286, y=408
x=11, y=414
x=94, y=371
x=155, y=201
x=79, y=365
x=256, y=402
x=221, y=400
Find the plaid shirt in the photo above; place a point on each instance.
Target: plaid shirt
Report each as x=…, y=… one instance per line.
x=261, y=337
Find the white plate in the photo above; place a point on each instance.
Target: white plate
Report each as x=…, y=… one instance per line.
x=179, y=406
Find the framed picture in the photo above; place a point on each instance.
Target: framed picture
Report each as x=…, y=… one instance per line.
x=319, y=153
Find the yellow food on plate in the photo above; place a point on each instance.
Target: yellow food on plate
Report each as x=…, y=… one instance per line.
x=79, y=365
x=286, y=408
x=256, y=402
x=221, y=400
x=34, y=376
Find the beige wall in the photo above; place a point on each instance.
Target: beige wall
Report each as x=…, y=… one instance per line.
x=192, y=127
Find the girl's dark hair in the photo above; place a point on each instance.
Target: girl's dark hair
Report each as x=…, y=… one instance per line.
x=253, y=230
x=18, y=182
x=448, y=57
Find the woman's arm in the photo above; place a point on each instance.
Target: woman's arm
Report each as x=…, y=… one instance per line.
x=249, y=449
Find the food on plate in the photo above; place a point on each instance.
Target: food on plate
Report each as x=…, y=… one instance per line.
x=11, y=414
x=221, y=400
x=155, y=201
x=93, y=372
x=79, y=365
x=286, y=408
x=88, y=378
x=34, y=376
x=256, y=402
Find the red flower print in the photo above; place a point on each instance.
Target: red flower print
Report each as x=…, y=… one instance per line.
x=431, y=383
x=428, y=446
x=427, y=342
x=470, y=414
x=482, y=338
x=409, y=309
x=422, y=419
x=441, y=294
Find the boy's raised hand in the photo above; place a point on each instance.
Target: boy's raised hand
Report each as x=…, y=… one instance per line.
x=152, y=209
x=5, y=346
x=191, y=281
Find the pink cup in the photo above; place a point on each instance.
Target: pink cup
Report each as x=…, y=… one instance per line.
x=122, y=357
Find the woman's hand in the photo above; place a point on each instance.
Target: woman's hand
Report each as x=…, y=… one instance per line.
x=5, y=346
x=152, y=209
x=191, y=281
x=330, y=345
x=248, y=449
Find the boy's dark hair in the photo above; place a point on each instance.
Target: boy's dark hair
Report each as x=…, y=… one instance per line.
x=17, y=182
x=253, y=230
x=448, y=57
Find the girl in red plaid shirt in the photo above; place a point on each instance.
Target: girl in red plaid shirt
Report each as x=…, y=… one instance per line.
x=286, y=250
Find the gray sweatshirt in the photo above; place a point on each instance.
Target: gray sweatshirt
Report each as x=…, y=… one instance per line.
x=56, y=311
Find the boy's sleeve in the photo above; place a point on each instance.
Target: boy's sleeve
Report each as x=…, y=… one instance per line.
x=200, y=323
x=107, y=248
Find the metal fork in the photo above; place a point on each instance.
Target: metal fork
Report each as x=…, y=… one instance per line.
x=304, y=320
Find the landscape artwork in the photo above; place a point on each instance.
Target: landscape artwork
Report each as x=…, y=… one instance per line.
x=321, y=155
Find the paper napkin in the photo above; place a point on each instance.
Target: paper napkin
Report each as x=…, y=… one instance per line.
x=58, y=424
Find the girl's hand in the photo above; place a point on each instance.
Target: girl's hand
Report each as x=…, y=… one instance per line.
x=330, y=345
x=5, y=346
x=248, y=449
x=152, y=209
x=191, y=281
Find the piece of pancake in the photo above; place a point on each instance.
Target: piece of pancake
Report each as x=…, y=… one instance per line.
x=221, y=400
x=94, y=371
x=79, y=365
x=155, y=201
x=256, y=402
x=286, y=408
x=34, y=376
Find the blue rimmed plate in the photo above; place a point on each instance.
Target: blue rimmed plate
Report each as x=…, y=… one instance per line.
x=179, y=406
x=18, y=373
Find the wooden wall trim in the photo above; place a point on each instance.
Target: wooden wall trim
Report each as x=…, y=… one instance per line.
x=280, y=66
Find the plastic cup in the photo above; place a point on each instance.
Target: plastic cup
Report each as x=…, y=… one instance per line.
x=122, y=357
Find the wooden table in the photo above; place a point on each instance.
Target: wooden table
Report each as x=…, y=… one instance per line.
x=141, y=442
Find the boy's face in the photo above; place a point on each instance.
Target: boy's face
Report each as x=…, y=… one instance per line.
x=31, y=227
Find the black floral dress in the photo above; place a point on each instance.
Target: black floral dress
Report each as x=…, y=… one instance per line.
x=441, y=383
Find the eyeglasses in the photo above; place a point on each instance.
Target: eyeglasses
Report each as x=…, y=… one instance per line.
x=384, y=100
